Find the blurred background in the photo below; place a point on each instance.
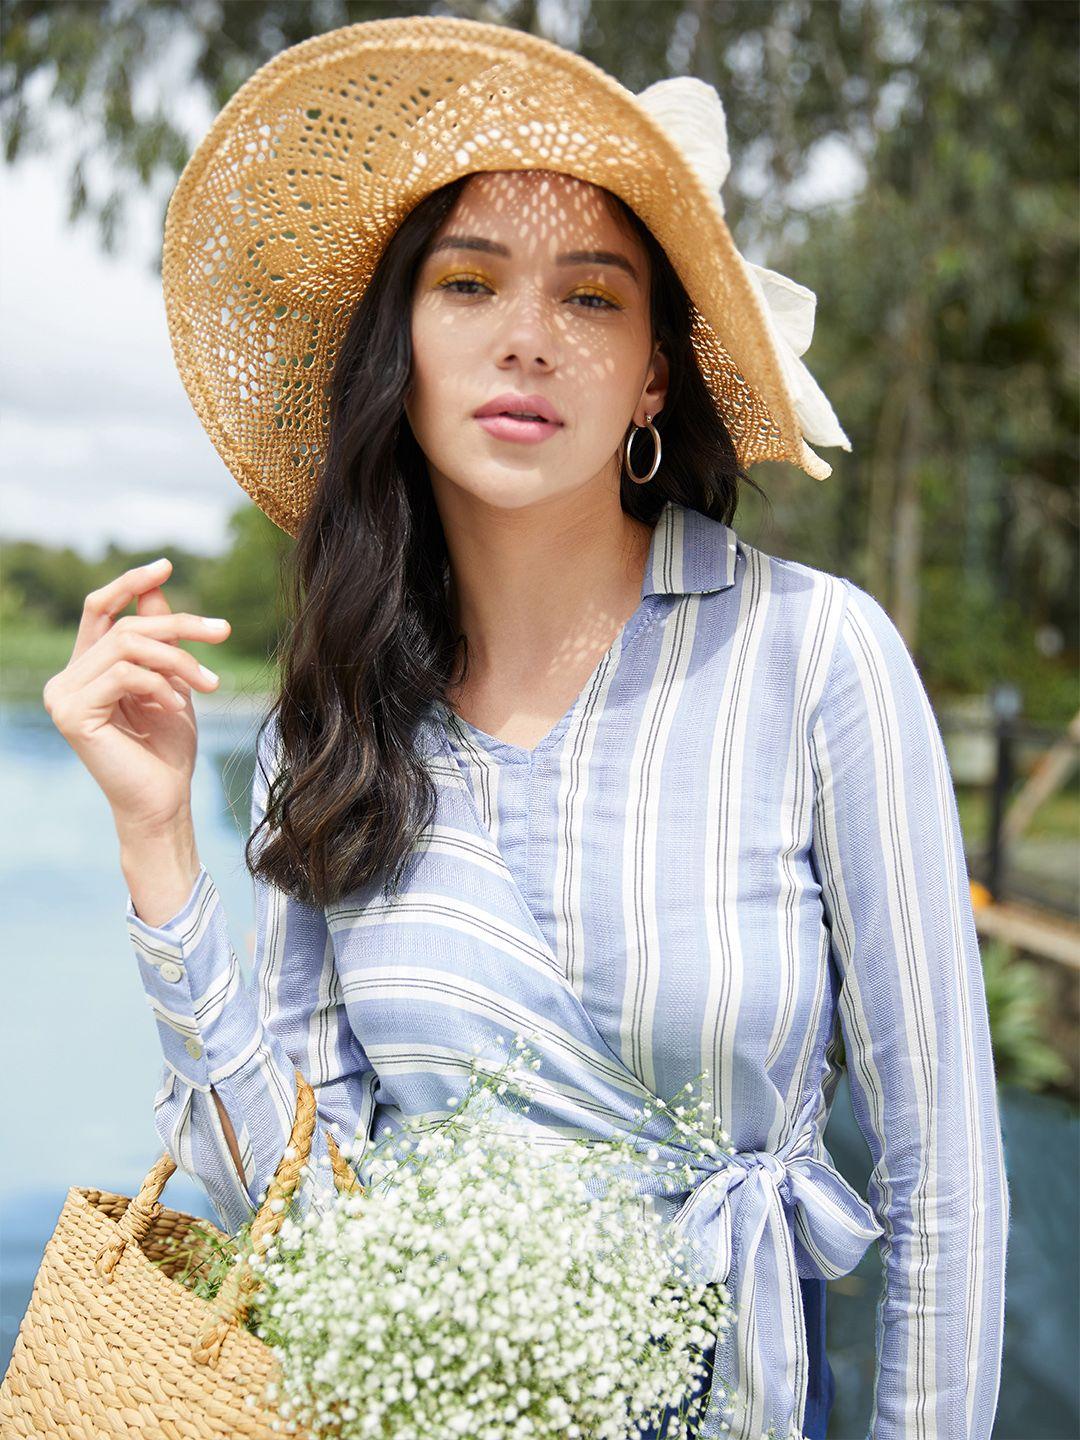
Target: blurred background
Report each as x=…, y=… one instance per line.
x=915, y=164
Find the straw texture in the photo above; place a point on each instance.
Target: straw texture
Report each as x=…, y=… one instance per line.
x=281, y=214
x=113, y=1345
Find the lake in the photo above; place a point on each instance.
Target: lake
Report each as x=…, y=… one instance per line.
x=83, y=1064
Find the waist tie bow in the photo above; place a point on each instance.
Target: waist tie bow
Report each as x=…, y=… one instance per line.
x=756, y=1224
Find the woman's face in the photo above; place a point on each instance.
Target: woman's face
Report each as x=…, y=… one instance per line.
x=522, y=293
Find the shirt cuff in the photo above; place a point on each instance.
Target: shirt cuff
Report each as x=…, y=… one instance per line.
x=188, y=970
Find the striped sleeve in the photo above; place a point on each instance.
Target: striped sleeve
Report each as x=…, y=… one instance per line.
x=244, y=1040
x=888, y=851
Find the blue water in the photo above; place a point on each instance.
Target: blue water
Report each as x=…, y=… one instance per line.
x=82, y=1064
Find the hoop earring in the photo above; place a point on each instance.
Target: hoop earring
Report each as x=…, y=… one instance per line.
x=642, y=479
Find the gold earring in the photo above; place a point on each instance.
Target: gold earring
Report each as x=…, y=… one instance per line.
x=642, y=479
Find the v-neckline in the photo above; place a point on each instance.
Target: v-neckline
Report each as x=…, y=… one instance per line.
x=524, y=754
x=471, y=818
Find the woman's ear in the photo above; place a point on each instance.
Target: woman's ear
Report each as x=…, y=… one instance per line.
x=656, y=387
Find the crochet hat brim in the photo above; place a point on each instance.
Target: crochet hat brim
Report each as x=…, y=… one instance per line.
x=282, y=212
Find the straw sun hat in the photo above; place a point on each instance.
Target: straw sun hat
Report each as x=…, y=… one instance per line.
x=281, y=214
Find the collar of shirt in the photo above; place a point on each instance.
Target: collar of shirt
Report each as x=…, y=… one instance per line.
x=690, y=553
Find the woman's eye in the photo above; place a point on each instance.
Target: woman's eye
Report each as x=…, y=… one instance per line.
x=450, y=284
x=589, y=295
x=594, y=295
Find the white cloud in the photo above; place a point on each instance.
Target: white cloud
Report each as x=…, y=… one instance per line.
x=98, y=440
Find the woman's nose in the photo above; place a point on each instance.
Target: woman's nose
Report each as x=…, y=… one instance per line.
x=529, y=347
x=530, y=338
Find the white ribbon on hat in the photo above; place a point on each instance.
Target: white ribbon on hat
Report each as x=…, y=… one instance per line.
x=692, y=113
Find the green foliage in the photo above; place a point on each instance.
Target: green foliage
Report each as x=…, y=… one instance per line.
x=947, y=297
x=12, y=603
x=1018, y=998
x=49, y=585
x=43, y=591
x=202, y=1258
x=969, y=631
x=245, y=584
x=45, y=583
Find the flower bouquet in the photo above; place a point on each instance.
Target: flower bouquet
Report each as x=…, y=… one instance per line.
x=482, y=1287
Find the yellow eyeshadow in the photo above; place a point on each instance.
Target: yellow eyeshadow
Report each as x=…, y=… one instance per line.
x=603, y=294
x=474, y=276
x=464, y=275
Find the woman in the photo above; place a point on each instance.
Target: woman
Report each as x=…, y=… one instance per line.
x=555, y=749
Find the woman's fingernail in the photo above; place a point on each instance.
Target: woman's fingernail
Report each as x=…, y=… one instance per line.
x=217, y=623
x=207, y=674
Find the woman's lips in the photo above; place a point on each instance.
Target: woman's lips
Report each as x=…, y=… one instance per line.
x=525, y=432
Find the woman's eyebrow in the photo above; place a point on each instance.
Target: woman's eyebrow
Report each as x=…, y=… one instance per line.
x=569, y=257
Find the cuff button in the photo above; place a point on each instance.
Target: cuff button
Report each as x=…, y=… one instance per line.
x=171, y=971
x=193, y=1048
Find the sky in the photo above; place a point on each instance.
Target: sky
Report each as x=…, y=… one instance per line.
x=98, y=440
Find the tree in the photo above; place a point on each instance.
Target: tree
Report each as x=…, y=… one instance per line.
x=245, y=584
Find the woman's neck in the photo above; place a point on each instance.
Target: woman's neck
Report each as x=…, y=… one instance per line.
x=540, y=593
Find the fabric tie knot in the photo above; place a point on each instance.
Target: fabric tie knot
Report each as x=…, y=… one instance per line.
x=817, y=1226
x=770, y=1163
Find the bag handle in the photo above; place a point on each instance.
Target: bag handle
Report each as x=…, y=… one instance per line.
x=234, y=1298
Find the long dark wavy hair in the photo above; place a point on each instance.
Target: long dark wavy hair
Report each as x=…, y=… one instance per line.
x=371, y=645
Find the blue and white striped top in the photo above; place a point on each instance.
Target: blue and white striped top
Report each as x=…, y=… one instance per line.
x=738, y=845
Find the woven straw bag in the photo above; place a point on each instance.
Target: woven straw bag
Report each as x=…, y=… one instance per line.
x=113, y=1345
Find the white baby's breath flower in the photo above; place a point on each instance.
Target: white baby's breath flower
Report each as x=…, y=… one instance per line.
x=483, y=1286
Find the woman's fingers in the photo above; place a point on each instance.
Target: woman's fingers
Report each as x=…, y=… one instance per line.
x=65, y=694
x=130, y=644
x=139, y=656
x=127, y=678
x=152, y=602
x=101, y=606
x=96, y=700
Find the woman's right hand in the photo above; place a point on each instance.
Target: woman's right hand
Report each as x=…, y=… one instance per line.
x=123, y=702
